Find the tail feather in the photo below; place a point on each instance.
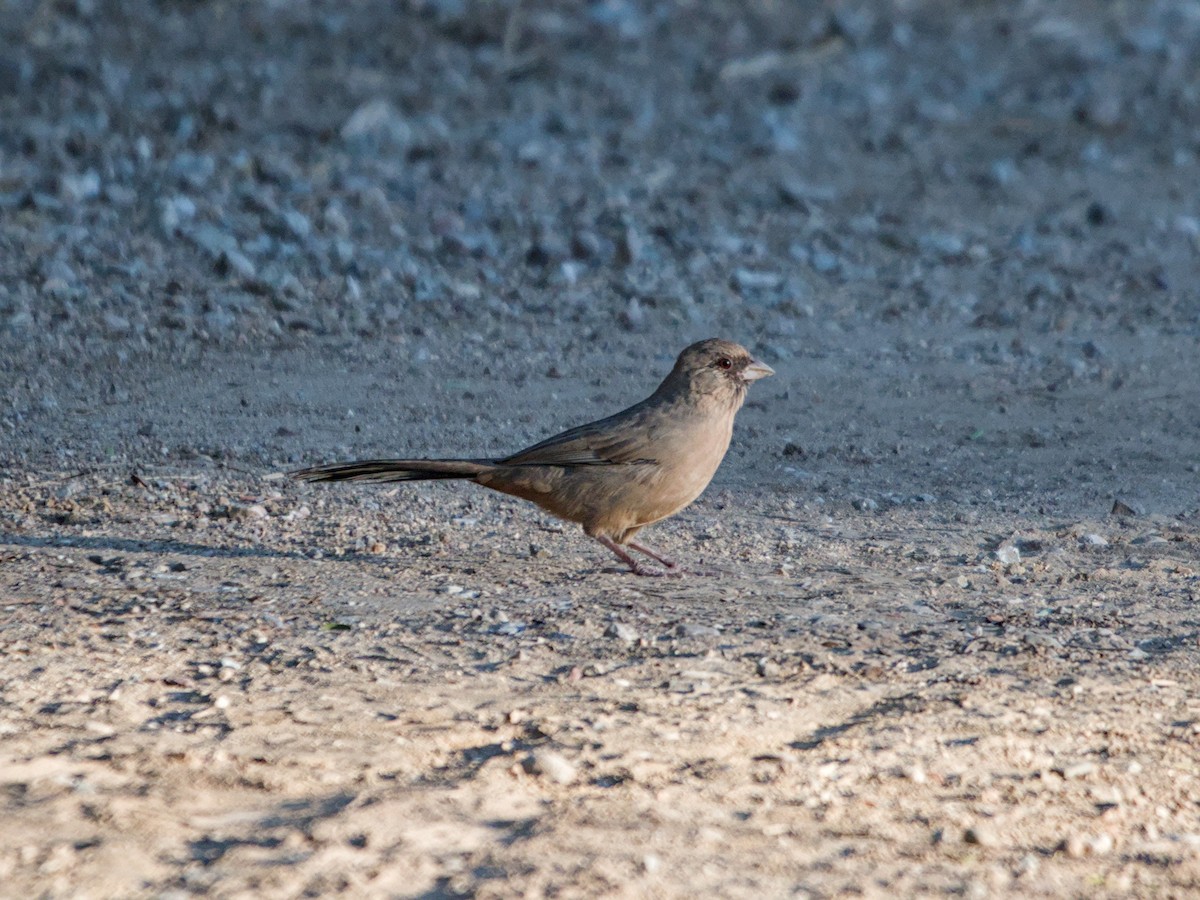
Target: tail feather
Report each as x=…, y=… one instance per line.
x=380, y=470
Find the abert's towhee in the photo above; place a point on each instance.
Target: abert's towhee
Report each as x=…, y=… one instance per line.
x=619, y=474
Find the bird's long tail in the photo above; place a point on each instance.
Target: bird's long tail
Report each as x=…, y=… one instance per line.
x=379, y=470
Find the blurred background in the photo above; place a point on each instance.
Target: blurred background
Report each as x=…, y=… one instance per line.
x=468, y=199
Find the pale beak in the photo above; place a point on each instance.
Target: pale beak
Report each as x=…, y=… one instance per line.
x=756, y=370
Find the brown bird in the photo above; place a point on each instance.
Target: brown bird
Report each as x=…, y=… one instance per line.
x=619, y=474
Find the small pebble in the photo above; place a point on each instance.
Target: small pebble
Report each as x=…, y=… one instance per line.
x=767, y=668
x=690, y=629
x=747, y=280
x=1078, y=770
x=377, y=120
x=1028, y=866
x=1125, y=508
x=551, y=765
x=1078, y=846
x=1008, y=555
x=621, y=632
x=980, y=834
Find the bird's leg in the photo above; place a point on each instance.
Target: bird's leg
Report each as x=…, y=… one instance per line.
x=634, y=566
x=653, y=554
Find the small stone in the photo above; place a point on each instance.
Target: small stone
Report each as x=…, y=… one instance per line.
x=174, y=211
x=1078, y=770
x=942, y=244
x=1150, y=538
x=1093, y=540
x=1078, y=846
x=237, y=263
x=116, y=324
x=1003, y=172
x=78, y=188
x=621, y=632
x=1007, y=555
x=56, y=288
x=297, y=223
x=864, y=504
x=693, y=630
x=377, y=120
x=551, y=765
x=212, y=240
x=980, y=835
x=1074, y=846
x=1122, y=507
x=748, y=280
x=1028, y=866
x=767, y=668
x=508, y=629
x=195, y=169
x=61, y=857
x=632, y=318
x=823, y=261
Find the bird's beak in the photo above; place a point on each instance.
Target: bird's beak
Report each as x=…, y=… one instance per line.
x=756, y=370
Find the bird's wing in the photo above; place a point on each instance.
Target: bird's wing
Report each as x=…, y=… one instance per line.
x=622, y=439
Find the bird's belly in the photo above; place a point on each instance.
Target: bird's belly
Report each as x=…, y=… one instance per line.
x=639, y=495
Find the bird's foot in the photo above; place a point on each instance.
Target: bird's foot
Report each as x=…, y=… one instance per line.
x=666, y=562
x=672, y=567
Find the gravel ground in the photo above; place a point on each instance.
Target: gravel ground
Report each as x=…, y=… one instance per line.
x=954, y=645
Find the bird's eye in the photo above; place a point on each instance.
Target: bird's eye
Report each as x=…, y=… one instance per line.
x=724, y=362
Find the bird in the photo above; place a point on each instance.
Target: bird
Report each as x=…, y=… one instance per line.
x=616, y=475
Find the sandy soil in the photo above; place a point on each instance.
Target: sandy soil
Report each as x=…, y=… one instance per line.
x=954, y=645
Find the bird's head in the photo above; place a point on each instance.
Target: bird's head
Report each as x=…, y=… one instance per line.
x=717, y=369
